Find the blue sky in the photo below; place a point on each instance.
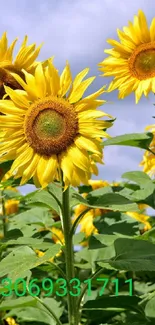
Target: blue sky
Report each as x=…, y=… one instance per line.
x=77, y=31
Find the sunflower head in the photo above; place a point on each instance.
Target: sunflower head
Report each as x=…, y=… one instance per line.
x=132, y=59
x=49, y=127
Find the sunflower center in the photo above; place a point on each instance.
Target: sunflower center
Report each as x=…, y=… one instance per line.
x=50, y=126
x=142, y=61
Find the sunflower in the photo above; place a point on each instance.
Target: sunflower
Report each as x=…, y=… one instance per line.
x=142, y=218
x=132, y=60
x=25, y=59
x=148, y=161
x=49, y=127
x=11, y=321
x=11, y=205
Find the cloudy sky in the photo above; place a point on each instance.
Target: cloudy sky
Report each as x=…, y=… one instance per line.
x=77, y=31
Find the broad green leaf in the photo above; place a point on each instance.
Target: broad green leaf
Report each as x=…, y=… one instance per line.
x=56, y=189
x=140, y=140
x=100, y=191
x=141, y=195
x=103, y=309
x=32, y=242
x=107, y=240
x=42, y=197
x=145, y=183
x=77, y=238
x=125, y=302
x=39, y=216
x=24, y=258
x=94, y=255
x=121, y=227
x=138, y=177
x=133, y=255
x=109, y=201
x=17, y=303
x=38, y=313
x=150, y=308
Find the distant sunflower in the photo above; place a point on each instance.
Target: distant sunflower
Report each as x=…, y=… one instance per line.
x=25, y=59
x=148, y=161
x=10, y=321
x=132, y=60
x=48, y=129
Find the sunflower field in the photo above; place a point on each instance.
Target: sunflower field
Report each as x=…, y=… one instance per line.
x=78, y=249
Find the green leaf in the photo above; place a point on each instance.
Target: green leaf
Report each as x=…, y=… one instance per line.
x=17, y=303
x=103, y=309
x=138, y=177
x=125, y=302
x=150, y=308
x=122, y=227
x=38, y=313
x=94, y=255
x=100, y=191
x=22, y=259
x=140, y=140
x=77, y=238
x=105, y=239
x=144, y=181
x=42, y=197
x=109, y=201
x=40, y=216
x=133, y=255
x=28, y=241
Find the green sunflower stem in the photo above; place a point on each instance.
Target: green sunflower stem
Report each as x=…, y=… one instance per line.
x=69, y=256
x=4, y=219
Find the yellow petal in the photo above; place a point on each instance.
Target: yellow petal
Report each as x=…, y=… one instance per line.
x=143, y=26
x=48, y=174
x=79, y=77
x=40, y=80
x=66, y=165
x=65, y=81
x=77, y=93
x=81, y=160
x=30, y=170
x=138, y=92
x=87, y=144
x=19, y=100
x=53, y=78
x=23, y=158
x=8, y=107
x=152, y=30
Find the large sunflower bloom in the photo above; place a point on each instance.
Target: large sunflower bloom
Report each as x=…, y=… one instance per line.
x=25, y=59
x=132, y=59
x=48, y=129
